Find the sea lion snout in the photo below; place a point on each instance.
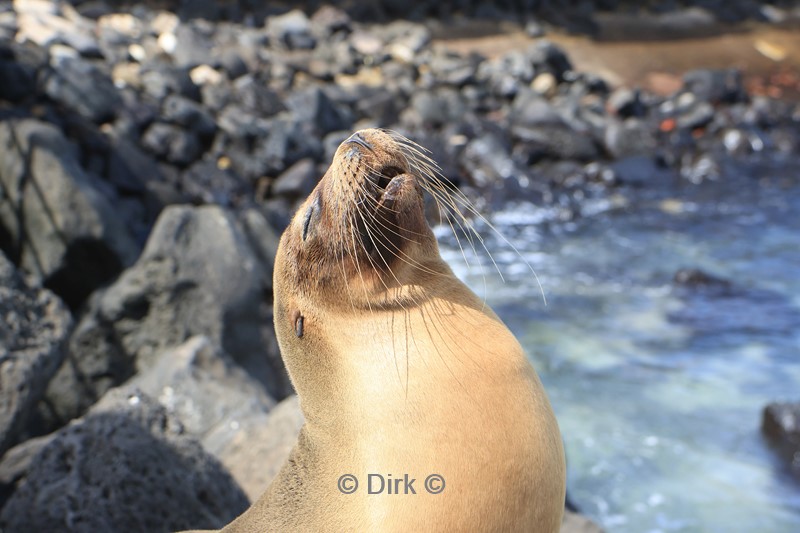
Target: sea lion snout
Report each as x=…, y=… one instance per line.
x=358, y=138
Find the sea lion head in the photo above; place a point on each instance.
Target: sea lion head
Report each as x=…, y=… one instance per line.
x=359, y=245
x=362, y=231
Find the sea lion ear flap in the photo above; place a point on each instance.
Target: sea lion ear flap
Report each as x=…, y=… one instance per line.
x=311, y=218
x=299, y=324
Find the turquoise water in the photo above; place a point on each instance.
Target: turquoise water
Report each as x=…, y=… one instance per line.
x=659, y=388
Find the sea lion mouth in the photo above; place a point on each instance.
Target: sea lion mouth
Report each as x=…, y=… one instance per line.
x=378, y=227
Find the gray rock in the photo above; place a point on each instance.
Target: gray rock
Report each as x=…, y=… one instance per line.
x=125, y=467
x=16, y=462
x=34, y=325
x=328, y=20
x=555, y=142
x=62, y=230
x=198, y=275
x=81, y=86
x=160, y=81
x=206, y=183
x=546, y=56
x=263, y=440
x=697, y=116
x=298, y=181
x=716, y=86
x=194, y=43
x=626, y=102
x=435, y=108
x=189, y=114
x=256, y=97
x=205, y=389
x=292, y=30
x=313, y=106
x=532, y=109
x=49, y=23
x=629, y=137
x=172, y=143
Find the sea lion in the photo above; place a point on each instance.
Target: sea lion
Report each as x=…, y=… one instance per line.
x=422, y=411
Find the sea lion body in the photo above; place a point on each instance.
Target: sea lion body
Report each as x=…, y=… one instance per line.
x=401, y=370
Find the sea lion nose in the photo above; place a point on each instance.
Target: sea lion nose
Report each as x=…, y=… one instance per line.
x=356, y=138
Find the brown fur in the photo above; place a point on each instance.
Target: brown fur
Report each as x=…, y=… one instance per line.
x=400, y=369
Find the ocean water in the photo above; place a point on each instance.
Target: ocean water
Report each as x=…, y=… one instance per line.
x=658, y=387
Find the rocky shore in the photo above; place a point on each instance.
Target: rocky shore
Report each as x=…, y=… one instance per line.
x=149, y=163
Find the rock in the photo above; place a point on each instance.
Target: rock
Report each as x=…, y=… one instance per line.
x=34, y=325
x=555, y=141
x=204, y=388
x=214, y=182
x=626, y=102
x=531, y=109
x=545, y=84
x=697, y=168
x=46, y=23
x=288, y=142
x=695, y=278
x=716, y=86
x=328, y=20
x=160, y=81
x=298, y=181
x=18, y=81
x=292, y=30
x=124, y=467
x=16, y=462
x=640, y=170
x=232, y=63
x=193, y=44
x=781, y=425
x=189, y=114
x=60, y=228
x=253, y=93
x=698, y=116
x=629, y=137
x=198, y=275
x=82, y=87
x=313, y=106
x=546, y=56
x=172, y=143
x=435, y=108
x=263, y=440
x=534, y=29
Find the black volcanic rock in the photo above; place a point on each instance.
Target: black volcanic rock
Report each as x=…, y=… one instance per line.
x=34, y=325
x=124, y=467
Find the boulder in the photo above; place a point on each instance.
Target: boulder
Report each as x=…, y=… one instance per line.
x=198, y=275
x=262, y=440
x=61, y=229
x=82, y=87
x=34, y=325
x=126, y=466
x=205, y=389
x=781, y=425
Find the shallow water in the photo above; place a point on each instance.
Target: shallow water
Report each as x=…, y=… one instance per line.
x=659, y=388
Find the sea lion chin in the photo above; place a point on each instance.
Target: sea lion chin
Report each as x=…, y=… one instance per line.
x=403, y=373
